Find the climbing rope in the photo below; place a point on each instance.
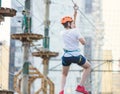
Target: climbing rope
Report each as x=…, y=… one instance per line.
x=75, y=14
x=75, y=7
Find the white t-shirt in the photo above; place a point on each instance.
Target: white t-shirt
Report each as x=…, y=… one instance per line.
x=71, y=38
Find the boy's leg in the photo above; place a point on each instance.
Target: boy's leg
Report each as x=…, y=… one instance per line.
x=86, y=72
x=65, y=70
x=87, y=69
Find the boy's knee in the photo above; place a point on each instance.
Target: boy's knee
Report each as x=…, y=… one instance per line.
x=90, y=67
x=65, y=73
x=87, y=65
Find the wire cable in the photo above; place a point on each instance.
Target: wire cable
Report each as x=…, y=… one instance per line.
x=30, y=13
x=85, y=16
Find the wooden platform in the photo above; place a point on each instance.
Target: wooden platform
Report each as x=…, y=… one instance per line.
x=1, y=18
x=6, y=92
x=45, y=54
x=26, y=37
x=7, y=12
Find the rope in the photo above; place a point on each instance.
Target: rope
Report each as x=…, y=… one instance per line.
x=83, y=15
x=73, y=2
x=75, y=11
x=32, y=15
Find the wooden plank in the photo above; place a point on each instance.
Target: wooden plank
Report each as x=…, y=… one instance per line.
x=6, y=92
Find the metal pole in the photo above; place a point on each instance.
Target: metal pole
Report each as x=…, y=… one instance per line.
x=26, y=46
x=0, y=2
x=46, y=32
x=25, y=68
x=46, y=42
x=47, y=23
x=26, y=23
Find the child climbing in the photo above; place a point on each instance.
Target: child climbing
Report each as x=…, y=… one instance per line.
x=71, y=38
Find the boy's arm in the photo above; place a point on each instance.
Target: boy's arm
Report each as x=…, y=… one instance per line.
x=75, y=12
x=82, y=41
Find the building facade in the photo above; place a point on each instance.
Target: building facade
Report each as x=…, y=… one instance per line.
x=15, y=61
x=4, y=65
x=107, y=80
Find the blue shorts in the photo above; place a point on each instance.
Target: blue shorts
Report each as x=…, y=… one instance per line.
x=67, y=61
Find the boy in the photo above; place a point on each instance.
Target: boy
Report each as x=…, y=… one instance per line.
x=71, y=38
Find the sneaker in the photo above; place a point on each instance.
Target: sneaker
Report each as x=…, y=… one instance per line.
x=81, y=89
x=61, y=92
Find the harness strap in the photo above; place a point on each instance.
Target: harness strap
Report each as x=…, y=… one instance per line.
x=70, y=50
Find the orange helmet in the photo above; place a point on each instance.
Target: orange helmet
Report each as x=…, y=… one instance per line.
x=66, y=19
